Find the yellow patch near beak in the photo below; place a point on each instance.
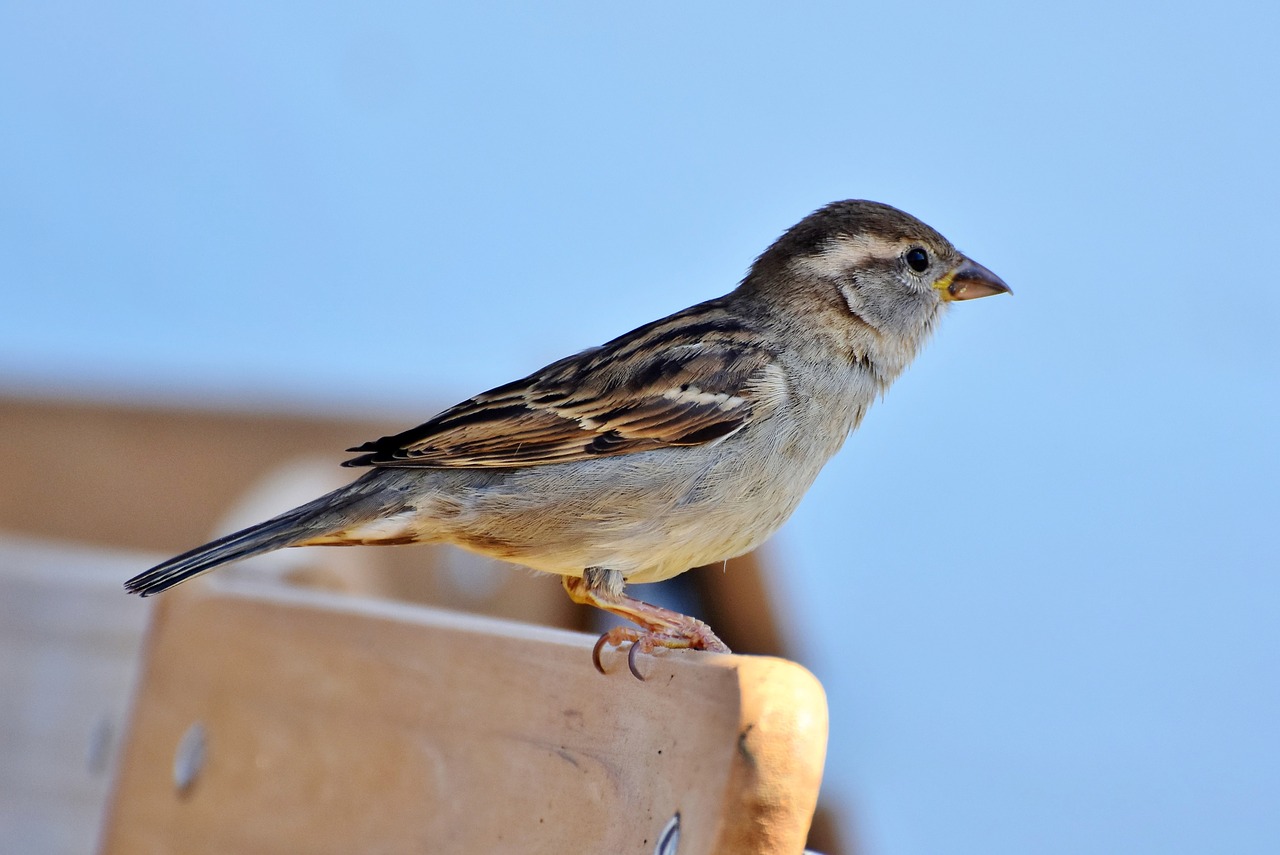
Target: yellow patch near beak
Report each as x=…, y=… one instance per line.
x=970, y=280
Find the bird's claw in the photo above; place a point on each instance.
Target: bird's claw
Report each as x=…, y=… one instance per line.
x=617, y=637
x=697, y=637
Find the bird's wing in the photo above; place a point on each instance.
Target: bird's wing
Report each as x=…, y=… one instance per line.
x=686, y=380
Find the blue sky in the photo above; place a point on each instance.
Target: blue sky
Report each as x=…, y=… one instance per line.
x=1040, y=583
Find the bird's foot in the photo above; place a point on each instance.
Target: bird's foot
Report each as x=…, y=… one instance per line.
x=658, y=627
x=698, y=637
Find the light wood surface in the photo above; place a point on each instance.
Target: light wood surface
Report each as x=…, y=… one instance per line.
x=69, y=642
x=349, y=725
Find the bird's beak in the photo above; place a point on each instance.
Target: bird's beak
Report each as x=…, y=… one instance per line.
x=969, y=281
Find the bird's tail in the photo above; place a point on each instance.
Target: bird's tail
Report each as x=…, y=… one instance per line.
x=342, y=507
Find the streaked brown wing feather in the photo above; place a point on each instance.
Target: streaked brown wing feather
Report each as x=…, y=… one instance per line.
x=685, y=380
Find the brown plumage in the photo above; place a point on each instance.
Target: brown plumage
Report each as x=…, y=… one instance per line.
x=691, y=383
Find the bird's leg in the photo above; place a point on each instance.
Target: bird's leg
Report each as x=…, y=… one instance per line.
x=602, y=588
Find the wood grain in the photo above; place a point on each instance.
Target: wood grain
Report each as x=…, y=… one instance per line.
x=350, y=725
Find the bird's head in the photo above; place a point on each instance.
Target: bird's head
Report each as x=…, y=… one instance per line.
x=881, y=265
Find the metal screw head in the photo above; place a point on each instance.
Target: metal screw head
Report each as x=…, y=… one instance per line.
x=669, y=839
x=189, y=758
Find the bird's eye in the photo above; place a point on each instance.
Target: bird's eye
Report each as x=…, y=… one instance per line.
x=918, y=260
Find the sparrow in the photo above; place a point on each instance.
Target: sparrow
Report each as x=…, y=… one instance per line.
x=684, y=442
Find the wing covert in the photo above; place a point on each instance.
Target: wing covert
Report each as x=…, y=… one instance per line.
x=688, y=379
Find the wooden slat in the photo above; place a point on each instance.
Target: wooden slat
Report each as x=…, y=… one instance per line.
x=342, y=724
x=69, y=642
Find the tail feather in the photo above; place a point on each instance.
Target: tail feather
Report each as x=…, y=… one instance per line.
x=263, y=537
x=316, y=518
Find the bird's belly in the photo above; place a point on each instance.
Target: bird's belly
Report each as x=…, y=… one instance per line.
x=650, y=516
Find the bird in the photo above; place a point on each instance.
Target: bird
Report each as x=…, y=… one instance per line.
x=682, y=443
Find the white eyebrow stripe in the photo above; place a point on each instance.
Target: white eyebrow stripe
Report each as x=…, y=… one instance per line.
x=844, y=253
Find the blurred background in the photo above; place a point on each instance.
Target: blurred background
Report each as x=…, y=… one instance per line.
x=1040, y=584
